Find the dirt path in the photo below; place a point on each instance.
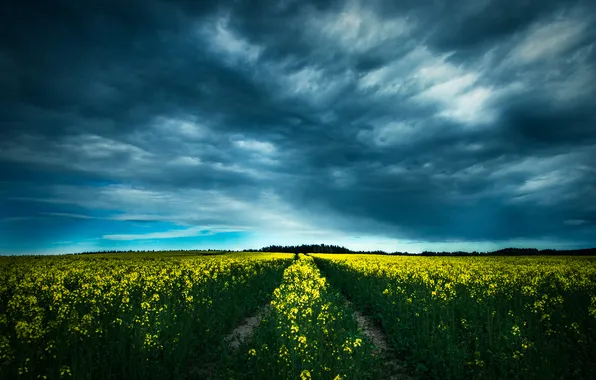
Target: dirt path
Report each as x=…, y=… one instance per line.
x=245, y=330
x=393, y=367
x=233, y=340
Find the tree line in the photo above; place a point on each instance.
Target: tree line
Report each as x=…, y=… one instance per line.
x=304, y=248
x=330, y=248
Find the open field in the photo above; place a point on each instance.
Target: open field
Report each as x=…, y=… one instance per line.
x=170, y=316
x=133, y=316
x=479, y=317
x=308, y=333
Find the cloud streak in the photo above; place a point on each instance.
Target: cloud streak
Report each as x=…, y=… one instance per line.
x=189, y=232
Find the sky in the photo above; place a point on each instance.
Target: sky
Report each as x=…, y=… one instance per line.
x=394, y=125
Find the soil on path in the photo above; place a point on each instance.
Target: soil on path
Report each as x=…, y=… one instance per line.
x=245, y=329
x=393, y=367
x=242, y=333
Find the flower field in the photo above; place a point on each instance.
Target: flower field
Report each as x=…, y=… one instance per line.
x=479, y=317
x=308, y=334
x=129, y=316
x=167, y=316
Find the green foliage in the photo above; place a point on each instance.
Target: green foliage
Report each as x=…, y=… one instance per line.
x=165, y=316
x=479, y=317
x=308, y=333
x=125, y=316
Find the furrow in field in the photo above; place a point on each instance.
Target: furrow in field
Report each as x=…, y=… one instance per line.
x=393, y=368
x=244, y=331
x=307, y=333
x=136, y=316
x=478, y=317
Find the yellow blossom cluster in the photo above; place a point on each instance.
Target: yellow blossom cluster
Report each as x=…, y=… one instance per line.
x=60, y=314
x=457, y=314
x=315, y=336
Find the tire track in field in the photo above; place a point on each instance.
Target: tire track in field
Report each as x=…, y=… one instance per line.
x=241, y=334
x=392, y=365
x=245, y=329
x=231, y=342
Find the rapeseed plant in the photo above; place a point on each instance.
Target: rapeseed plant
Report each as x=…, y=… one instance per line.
x=306, y=325
x=479, y=317
x=126, y=315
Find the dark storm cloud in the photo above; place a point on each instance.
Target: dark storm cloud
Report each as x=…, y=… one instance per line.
x=486, y=22
x=430, y=121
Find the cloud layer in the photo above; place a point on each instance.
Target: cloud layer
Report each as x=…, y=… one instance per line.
x=466, y=124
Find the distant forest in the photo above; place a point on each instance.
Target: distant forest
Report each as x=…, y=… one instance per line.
x=323, y=248
x=326, y=248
